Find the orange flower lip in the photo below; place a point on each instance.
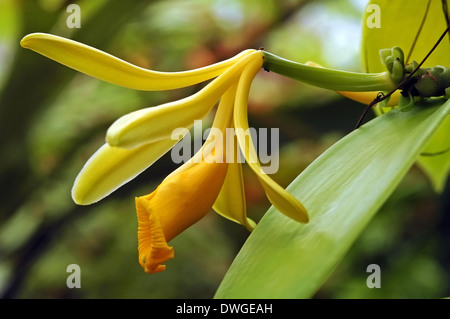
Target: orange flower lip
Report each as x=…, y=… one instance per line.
x=153, y=248
x=179, y=201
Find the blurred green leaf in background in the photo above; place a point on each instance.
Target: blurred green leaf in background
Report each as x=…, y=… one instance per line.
x=52, y=119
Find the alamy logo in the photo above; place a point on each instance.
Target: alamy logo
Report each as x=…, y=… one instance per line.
x=267, y=146
x=74, y=19
x=74, y=279
x=374, y=280
x=374, y=20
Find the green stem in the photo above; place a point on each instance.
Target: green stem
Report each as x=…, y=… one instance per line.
x=328, y=78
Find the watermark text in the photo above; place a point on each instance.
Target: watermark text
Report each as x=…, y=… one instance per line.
x=261, y=146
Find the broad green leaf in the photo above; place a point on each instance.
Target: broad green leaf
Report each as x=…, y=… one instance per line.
x=415, y=26
x=342, y=191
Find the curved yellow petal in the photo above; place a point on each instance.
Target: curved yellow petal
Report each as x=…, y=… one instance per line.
x=111, y=167
x=178, y=202
x=108, y=68
x=277, y=195
x=156, y=123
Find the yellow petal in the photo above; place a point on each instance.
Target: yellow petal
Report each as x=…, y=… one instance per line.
x=179, y=201
x=277, y=195
x=111, y=167
x=108, y=68
x=156, y=123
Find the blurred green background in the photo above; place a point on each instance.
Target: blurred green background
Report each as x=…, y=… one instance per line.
x=52, y=119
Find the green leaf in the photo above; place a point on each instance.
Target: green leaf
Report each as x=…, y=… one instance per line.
x=415, y=26
x=342, y=190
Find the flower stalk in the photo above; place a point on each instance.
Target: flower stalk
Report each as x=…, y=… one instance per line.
x=331, y=79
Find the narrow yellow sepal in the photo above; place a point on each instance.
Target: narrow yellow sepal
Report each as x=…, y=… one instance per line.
x=106, y=67
x=111, y=167
x=156, y=123
x=277, y=195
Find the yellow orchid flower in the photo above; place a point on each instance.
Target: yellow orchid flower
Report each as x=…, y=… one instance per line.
x=136, y=140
